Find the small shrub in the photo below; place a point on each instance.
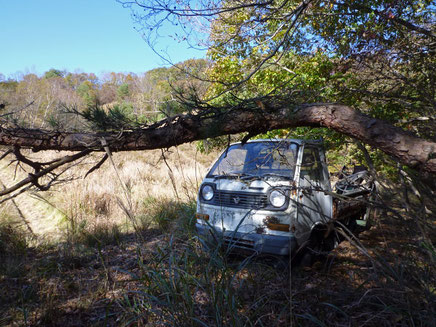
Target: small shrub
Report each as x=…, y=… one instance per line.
x=96, y=204
x=142, y=222
x=98, y=235
x=167, y=213
x=102, y=234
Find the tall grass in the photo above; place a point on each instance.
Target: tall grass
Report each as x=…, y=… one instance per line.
x=95, y=200
x=167, y=214
x=182, y=285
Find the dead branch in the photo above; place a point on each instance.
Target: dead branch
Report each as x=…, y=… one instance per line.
x=33, y=178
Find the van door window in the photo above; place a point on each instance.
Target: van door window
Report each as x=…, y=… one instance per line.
x=314, y=205
x=312, y=167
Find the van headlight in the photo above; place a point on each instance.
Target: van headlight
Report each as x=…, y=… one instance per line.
x=207, y=192
x=277, y=198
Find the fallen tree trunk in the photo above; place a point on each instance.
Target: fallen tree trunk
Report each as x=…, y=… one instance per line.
x=401, y=145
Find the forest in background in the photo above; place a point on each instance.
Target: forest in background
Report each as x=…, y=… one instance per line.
x=53, y=99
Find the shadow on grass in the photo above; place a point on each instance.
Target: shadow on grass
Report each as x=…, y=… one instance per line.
x=167, y=279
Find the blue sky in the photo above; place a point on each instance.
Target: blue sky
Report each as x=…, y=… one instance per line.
x=87, y=35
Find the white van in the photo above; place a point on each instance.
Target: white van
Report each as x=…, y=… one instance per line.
x=268, y=196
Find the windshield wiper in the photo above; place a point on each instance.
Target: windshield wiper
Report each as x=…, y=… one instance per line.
x=245, y=176
x=240, y=175
x=248, y=176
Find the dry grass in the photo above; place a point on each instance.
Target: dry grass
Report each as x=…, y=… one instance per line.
x=102, y=198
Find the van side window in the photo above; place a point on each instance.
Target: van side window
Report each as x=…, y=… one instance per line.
x=311, y=165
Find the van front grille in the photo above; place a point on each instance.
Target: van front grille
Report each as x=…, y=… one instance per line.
x=229, y=241
x=246, y=200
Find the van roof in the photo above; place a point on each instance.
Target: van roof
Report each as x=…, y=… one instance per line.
x=298, y=141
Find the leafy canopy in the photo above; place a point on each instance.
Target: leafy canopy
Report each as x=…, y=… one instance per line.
x=377, y=56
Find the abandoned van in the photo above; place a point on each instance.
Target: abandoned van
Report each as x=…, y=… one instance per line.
x=267, y=196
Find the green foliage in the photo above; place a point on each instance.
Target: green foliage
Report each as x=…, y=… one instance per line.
x=87, y=92
x=168, y=84
x=10, y=85
x=54, y=123
x=318, y=63
x=144, y=98
x=376, y=56
x=123, y=91
x=166, y=213
x=117, y=117
x=53, y=73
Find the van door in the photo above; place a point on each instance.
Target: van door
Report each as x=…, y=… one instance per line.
x=313, y=205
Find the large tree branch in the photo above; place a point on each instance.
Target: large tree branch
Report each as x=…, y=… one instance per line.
x=255, y=118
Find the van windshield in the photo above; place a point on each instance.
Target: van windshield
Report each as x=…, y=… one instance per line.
x=257, y=159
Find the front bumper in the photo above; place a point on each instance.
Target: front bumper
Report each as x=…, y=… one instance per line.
x=257, y=243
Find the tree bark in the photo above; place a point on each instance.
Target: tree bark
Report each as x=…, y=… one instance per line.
x=403, y=146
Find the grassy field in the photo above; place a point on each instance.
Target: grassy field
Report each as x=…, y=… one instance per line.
x=118, y=194
x=118, y=248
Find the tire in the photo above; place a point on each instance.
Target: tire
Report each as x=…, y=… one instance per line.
x=307, y=259
x=312, y=253
x=318, y=249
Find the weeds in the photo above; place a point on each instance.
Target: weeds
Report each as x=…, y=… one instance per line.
x=182, y=285
x=96, y=231
x=166, y=213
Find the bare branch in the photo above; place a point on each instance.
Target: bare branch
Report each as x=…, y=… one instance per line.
x=98, y=165
x=33, y=178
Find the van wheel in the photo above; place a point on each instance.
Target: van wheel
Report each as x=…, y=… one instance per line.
x=311, y=253
x=318, y=248
x=307, y=259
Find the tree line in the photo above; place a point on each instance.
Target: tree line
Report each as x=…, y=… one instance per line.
x=52, y=100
